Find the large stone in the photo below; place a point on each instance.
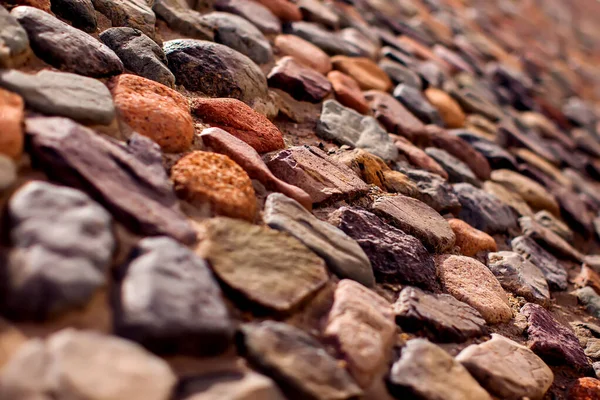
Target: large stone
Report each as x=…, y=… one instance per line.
x=347, y=92
x=303, y=83
x=73, y=364
x=304, y=52
x=426, y=371
x=532, y=192
x=301, y=366
x=361, y=324
x=433, y=190
x=346, y=126
x=80, y=13
x=14, y=43
x=83, y=99
x=554, y=273
x=508, y=197
x=507, y=369
x=181, y=18
x=259, y=15
x=457, y=170
x=416, y=103
x=365, y=71
x=472, y=282
x=11, y=121
x=62, y=247
x=128, y=180
x=470, y=240
x=234, y=385
x=395, y=256
x=418, y=219
x=330, y=42
x=440, y=316
x=549, y=240
x=237, y=251
x=65, y=47
x=130, y=13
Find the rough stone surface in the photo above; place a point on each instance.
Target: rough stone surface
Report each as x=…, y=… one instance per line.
x=130, y=13
x=585, y=389
x=588, y=277
x=470, y=240
x=512, y=199
x=181, y=18
x=14, y=43
x=557, y=226
x=303, y=83
x=347, y=92
x=590, y=299
x=433, y=190
x=259, y=15
x=11, y=121
x=555, y=274
x=457, y=170
x=236, y=385
x=303, y=52
x=414, y=101
x=548, y=239
x=80, y=13
x=532, y=192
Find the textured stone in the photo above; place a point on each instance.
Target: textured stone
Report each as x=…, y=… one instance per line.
x=433, y=190
x=330, y=42
x=447, y=107
x=418, y=157
x=497, y=157
x=80, y=13
x=470, y=240
x=303, y=52
x=365, y=72
x=590, y=299
x=555, y=274
x=11, y=121
x=511, y=136
x=510, y=198
x=416, y=103
x=14, y=43
x=130, y=13
x=347, y=92
x=235, y=385
x=585, y=389
x=259, y=15
x=548, y=239
x=457, y=170
x=303, y=83
x=588, y=277
x=557, y=226
x=181, y=18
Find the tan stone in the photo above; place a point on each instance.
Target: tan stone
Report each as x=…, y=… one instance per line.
x=538, y=162
x=509, y=197
x=348, y=92
x=304, y=52
x=449, y=109
x=470, y=240
x=11, y=124
x=365, y=71
x=532, y=192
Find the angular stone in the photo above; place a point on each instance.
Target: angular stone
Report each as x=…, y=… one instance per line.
x=585, y=389
x=433, y=190
x=470, y=240
x=590, y=299
x=303, y=83
x=549, y=240
x=555, y=274
x=447, y=107
x=299, y=364
x=237, y=250
x=416, y=103
x=508, y=197
x=285, y=10
x=135, y=190
x=347, y=92
x=418, y=157
x=259, y=15
x=14, y=43
x=457, y=170
x=80, y=13
x=237, y=385
x=557, y=226
x=181, y=18
x=395, y=256
x=418, y=219
x=342, y=254
x=130, y=13
x=441, y=316
x=365, y=71
x=65, y=47
x=303, y=52
x=330, y=42
x=472, y=282
x=426, y=371
x=507, y=369
x=11, y=121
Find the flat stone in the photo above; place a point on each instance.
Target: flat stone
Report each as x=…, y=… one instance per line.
x=555, y=274
x=158, y=296
x=552, y=341
x=507, y=369
x=366, y=72
x=470, y=240
x=585, y=389
x=347, y=92
x=472, y=282
x=398, y=73
x=497, y=156
x=304, y=52
x=433, y=190
x=537, y=162
x=62, y=247
x=65, y=47
x=238, y=385
x=450, y=111
x=361, y=324
x=139, y=54
x=80, y=13
x=11, y=121
x=346, y=126
x=237, y=250
x=285, y=10
x=418, y=157
x=297, y=362
x=457, y=170
x=303, y=83
x=317, y=174
x=426, y=371
x=259, y=15
x=590, y=299
x=130, y=13
x=416, y=103
x=128, y=180
x=511, y=136
x=181, y=18
x=510, y=198
x=342, y=254
x=440, y=316
x=83, y=357
x=315, y=11
x=549, y=240
x=395, y=256
x=83, y=99
x=14, y=43
x=547, y=220
x=330, y=42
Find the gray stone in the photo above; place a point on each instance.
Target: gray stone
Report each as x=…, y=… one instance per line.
x=548, y=220
x=549, y=239
x=315, y=11
x=398, y=73
x=497, y=156
x=181, y=18
x=231, y=385
x=14, y=43
x=555, y=274
x=590, y=299
x=330, y=42
x=83, y=99
x=254, y=12
x=457, y=170
x=592, y=348
x=348, y=127
x=62, y=247
x=342, y=254
x=596, y=367
x=416, y=103
x=356, y=37
x=80, y=13
x=434, y=190
x=8, y=172
x=130, y=13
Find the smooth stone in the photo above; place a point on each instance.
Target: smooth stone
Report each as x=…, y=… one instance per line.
x=418, y=219
x=303, y=83
x=62, y=247
x=8, y=172
x=315, y=11
x=450, y=111
x=304, y=52
x=11, y=121
x=507, y=369
x=418, y=157
x=130, y=13
x=83, y=99
x=555, y=274
x=585, y=389
x=433, y=190
x=395, y=256
x=330, y=42
x=342, y=254
x=416, y=103
x=400, y=74
x=297, y=362
x=65, y=47
x=426, y=371
x=236, y=250
x=259, y=15
x=348, y=127
x=362, y=39
x=14, y=43
x=365, y=72
x=440, y=316
x=347, y=92
x=129, y=181
x=590, y=299
x=457, y=170
x=80, y=13
x=470, y=240
x=162, y=285
x=283, y=9
x=471, y=102
x=549, y=239
x=470, y=281
x=508, y=197
x=181, y=18
x=403, y=57
x=234, y=385
x=139, y=54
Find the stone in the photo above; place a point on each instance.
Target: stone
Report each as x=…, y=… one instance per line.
x=8, y=172
x=588, y=277
x=520, y=276
x=14, y=43
x=239, y=34
x=473, y=103
x=418, y=219
x=259, y=15
x=507, y=369
x=347, y=92
x=470, y=240
x=470, y=281
x=313, y=171
x=236, y=250
x=549, y=240
x=348, y=127
x=590, y=299
x=162, y=285
x=330, y=42
x=440, y=316
x=497, y=157
x=83, y=99
x=11, y=121
x=245, y=156
x=342, y=254
x=80, y=13
x=86, y=360
x=65, y=47
x=238, y=385
x=153, y=110
x=447, y=107
x=508, y=197
x=585, y=389
x=511, y=136
x=299, y=364
x=361, y=325
x=395, y=256
x=315, y=11
x=248, y=125
x=364, y=41
x=542, y=165
x=398, y=73
x=418, y=157
x=181, y=18
x=139, y=54
x=457, y=170
x=416, y=103
x=214, y=181
x=426, y=371
x=129, y=180
x=592, y=349
x=555, y=274
x=304, y=52
x=130, y=13
x=433, y=190
x=364, y=71
x=557, y=226
x=484, y=211
x=285, y=10
x=303, y=83
x=62, y=247
x=551, y=340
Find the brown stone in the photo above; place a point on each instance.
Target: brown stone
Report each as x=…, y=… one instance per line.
x=470, y=240
x=585, y=389
x=588, y=277
x=365, y=71
x=532, y=192
x=538, y=162
x=509, y=197
x=11, y=124
x=284, y=9
x=304, y=52
x=449, y=109
x=348, y=92
x=302, y=82
x=43, y=5
x=418, y=157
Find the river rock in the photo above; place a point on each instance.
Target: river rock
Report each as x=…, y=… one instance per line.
x=365, y=72
x=181, y=18
x=130, y=13
x=447, y=107
x=588, y=277
x=303, y=83
x=418, y=157
x=585, y=389
x=285, y=10
x=555, y=274
x=398, y=73
x=508, y=197
x=497, y=156
x=315, y=11
x=8, y=172
x=414, y=101
x=590, y=299
x=259, y=15
x=547, y=220
x=470, y=240
x=14, y=43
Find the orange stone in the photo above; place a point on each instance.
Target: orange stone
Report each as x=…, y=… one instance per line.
x=470, y=240
x=585, y=389
x=451, y=113
x=418, y=157
x=43, y=5
x=241, y=121
x=304, y=52
x=348, y=92
x=284, y=9
x=202, y=178
x=11, y=124
x=154, y=110
x=366, y=72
